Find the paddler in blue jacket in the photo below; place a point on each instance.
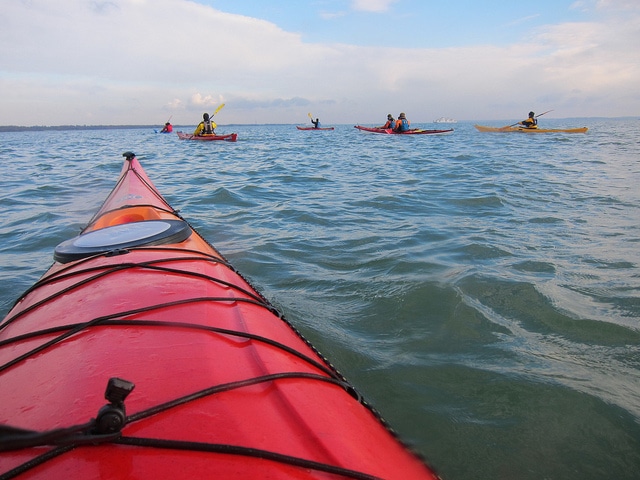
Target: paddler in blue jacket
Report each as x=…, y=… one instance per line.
x=207, y=126
x=531, y=122
x=316, y=123
x=402, y=124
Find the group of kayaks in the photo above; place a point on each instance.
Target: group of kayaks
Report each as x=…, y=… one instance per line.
x=143, y=353
x=517, y=127
x=232, y=137
x=480, y=128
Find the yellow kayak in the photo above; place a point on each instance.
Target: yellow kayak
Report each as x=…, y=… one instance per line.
x=482, y=128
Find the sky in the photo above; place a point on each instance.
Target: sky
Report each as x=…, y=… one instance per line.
x=143, y=62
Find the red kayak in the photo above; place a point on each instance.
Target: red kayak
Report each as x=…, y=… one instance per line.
x=413, y=131
x=208, y=137
x=142, y=353
x=314, y=128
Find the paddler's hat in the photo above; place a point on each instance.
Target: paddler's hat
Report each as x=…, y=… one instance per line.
x=205, y=116
x=401, y=115
x=531, y=114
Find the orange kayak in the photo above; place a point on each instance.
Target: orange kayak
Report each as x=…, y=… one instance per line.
x=142, y=353
x=482, y=128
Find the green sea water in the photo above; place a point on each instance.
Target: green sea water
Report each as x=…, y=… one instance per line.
x=482, y=291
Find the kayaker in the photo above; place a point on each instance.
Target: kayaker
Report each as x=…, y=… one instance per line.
x=316, y=123
x=531, y=122
x=402, y=124
x=168, y=128
x=391, y=122
x=207, y=126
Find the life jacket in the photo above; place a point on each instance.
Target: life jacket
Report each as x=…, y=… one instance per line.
x=207, y=126
x=404, y=125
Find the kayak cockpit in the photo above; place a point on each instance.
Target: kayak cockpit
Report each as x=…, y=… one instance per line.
x=122, y=236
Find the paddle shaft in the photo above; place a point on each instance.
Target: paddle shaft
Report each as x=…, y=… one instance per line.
x=543, y=113
x=218, y=109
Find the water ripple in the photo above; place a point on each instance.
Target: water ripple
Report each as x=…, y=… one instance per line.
x=481, y=290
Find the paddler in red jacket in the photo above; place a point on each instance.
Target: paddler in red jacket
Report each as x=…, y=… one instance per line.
x=391, y=123
x=402, y=124
x=168, y=128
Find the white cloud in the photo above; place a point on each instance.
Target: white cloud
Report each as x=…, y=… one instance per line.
x=372, y=5
x=133, y=61
x=199, y=100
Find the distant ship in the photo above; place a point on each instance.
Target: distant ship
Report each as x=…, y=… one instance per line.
x=445, y=120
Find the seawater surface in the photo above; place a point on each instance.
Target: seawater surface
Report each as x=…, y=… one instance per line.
x=481, y=290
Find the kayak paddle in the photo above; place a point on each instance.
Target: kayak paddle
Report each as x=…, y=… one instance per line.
x=218, y=109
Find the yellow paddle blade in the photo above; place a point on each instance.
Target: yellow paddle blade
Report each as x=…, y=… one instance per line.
x=310, y=115
x=218, y=109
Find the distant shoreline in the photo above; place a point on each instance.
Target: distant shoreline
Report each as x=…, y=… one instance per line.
x=41, y=128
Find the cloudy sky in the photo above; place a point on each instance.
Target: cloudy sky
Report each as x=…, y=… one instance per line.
x=117, y=62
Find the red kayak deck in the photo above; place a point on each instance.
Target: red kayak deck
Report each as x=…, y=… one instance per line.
x=207, y=379
x=230, y=137
x=413, y=131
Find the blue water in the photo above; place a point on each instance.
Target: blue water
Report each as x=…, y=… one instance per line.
x=481, y=290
